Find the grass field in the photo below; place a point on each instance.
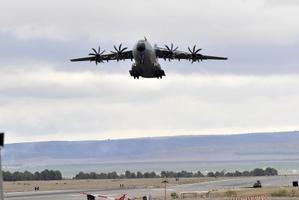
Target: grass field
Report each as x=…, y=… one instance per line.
x=235, y=194
x=23, y=186
x=273, y=192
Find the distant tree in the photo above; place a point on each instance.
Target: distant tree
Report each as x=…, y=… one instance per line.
x=237, y=173
x=184, y=174
x=18, y=176
x=127, y=174
x=133, y=175
x=246, y=173
x=229, y=174
x=153, y=175
x=271, y=171
x=211, y=174
x=171, y=174
x=139, y=175
x=27, y=175
x=102, y=176
x=220, y=174
x=198, y=174
x=37, y=176
x=147, y=175
x=258, y=172
x=112, y=175
x=82, y=175
x=92, y=175
x=58, y=175
x=44, y=175
x=7, y=176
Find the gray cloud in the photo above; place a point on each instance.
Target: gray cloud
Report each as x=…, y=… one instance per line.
x=258, y=39
x=281, y=3
x=44, y=105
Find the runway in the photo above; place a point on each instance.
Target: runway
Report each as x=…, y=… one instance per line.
x=206, y=186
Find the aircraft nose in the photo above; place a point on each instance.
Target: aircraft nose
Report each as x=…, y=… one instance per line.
x=140, y=47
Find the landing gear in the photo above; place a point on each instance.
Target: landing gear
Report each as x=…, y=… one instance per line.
x=134, y=73
x=159, y=73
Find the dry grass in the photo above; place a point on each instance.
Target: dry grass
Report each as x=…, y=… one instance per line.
x=22, y=186
x=267, y=191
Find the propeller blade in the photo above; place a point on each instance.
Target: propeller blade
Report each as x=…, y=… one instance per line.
x=94, y=51
x=124, y=49
x=120, y=46
x=197, y=50
x=167, y=47
x=194, y=48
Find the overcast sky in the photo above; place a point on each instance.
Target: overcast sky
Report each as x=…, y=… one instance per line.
x=45, y=97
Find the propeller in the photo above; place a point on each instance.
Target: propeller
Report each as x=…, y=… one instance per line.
x=194, y=53
x=97, y=54
x=171, y=50
x=118, y=51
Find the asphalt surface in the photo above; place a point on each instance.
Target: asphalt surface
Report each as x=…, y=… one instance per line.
x=217, y=184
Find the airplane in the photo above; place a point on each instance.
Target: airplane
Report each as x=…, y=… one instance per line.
x=102, y=197
x=146, y=57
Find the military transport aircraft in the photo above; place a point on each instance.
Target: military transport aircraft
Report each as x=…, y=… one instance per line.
x=146, y=57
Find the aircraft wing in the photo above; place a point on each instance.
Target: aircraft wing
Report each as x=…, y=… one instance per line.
x=100, y=57
x=189, y=56
x=193, y=56
x=101, y=197
x=90, y=58
x=89, y=196
x=97, y=197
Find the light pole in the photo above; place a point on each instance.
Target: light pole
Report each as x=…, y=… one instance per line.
x=165, y=182
x=1, y=173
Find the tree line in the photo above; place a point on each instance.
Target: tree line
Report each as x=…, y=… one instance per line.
x=28, y=176
x=56, y=174
x=256, y=172
x=170, y=174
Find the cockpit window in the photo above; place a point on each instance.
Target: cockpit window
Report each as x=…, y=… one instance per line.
x=140, y=47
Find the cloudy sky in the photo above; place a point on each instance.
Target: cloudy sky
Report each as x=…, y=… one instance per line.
x=45, y=97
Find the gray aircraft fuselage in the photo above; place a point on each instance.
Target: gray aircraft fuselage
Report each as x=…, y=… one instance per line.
x=146, y=63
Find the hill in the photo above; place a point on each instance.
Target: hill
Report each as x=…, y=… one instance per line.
x=243, y=147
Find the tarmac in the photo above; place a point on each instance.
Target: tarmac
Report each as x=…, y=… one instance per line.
x=275, y=181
